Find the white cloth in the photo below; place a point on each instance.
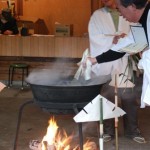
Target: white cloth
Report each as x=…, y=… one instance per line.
x=84, y=71
x=148, y=25
x=144, y=64
x=100, y=26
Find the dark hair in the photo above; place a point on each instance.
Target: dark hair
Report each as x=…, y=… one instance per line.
x=6, y=13
x=138, y=3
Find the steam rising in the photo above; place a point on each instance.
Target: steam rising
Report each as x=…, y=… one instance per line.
x=61, y=77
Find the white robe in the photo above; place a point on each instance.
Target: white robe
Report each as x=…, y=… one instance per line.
x=100, y=26
x=145, y=65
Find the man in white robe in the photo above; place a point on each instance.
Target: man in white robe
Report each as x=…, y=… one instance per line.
x=103, y=25
x=139, y=11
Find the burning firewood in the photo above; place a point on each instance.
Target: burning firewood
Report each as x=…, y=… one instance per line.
x=56, y=139
x=37, y=145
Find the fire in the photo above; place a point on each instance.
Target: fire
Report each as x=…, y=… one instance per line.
x=51, y=132
x=89, y=145
x=56, y=139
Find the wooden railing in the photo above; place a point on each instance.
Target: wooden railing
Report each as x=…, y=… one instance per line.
x=43, y=46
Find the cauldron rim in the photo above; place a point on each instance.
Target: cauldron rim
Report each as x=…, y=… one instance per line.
x=66, y=86
x=77, y=84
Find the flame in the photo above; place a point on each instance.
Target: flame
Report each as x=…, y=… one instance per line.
x=89, y=145
x=51, y=132
x=56, y=139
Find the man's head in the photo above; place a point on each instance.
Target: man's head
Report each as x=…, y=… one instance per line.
x=109, y=3
x=6, y=14
x=131, y=9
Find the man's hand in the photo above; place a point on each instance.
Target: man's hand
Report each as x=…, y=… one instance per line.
x=92, y=60
x=8, y=32
x=117, y=37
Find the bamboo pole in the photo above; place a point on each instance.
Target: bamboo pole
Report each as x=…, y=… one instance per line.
x=116, y=118
x=101, y=140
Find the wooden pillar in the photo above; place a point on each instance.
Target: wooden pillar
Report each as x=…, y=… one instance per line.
x=20, y=7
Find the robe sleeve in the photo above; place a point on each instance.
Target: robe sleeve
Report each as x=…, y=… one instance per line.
x=108, y=56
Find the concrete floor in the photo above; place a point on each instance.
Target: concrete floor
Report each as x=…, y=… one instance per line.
x=35, y=121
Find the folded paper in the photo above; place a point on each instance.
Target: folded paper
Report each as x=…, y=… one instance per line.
x=91, y=112
x=2, y=86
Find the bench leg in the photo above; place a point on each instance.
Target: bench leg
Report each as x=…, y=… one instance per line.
x=12, y=76
x=22, y=77
x=9, y=77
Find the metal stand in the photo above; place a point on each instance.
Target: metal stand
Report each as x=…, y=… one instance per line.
x=80, y=129
x=19, y=121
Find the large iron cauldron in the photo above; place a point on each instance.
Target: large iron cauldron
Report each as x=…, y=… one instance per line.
x=63, y=97
x=54, y=91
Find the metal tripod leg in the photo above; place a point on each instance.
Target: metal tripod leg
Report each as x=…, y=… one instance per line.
x=80, y=129
x=18, y=122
